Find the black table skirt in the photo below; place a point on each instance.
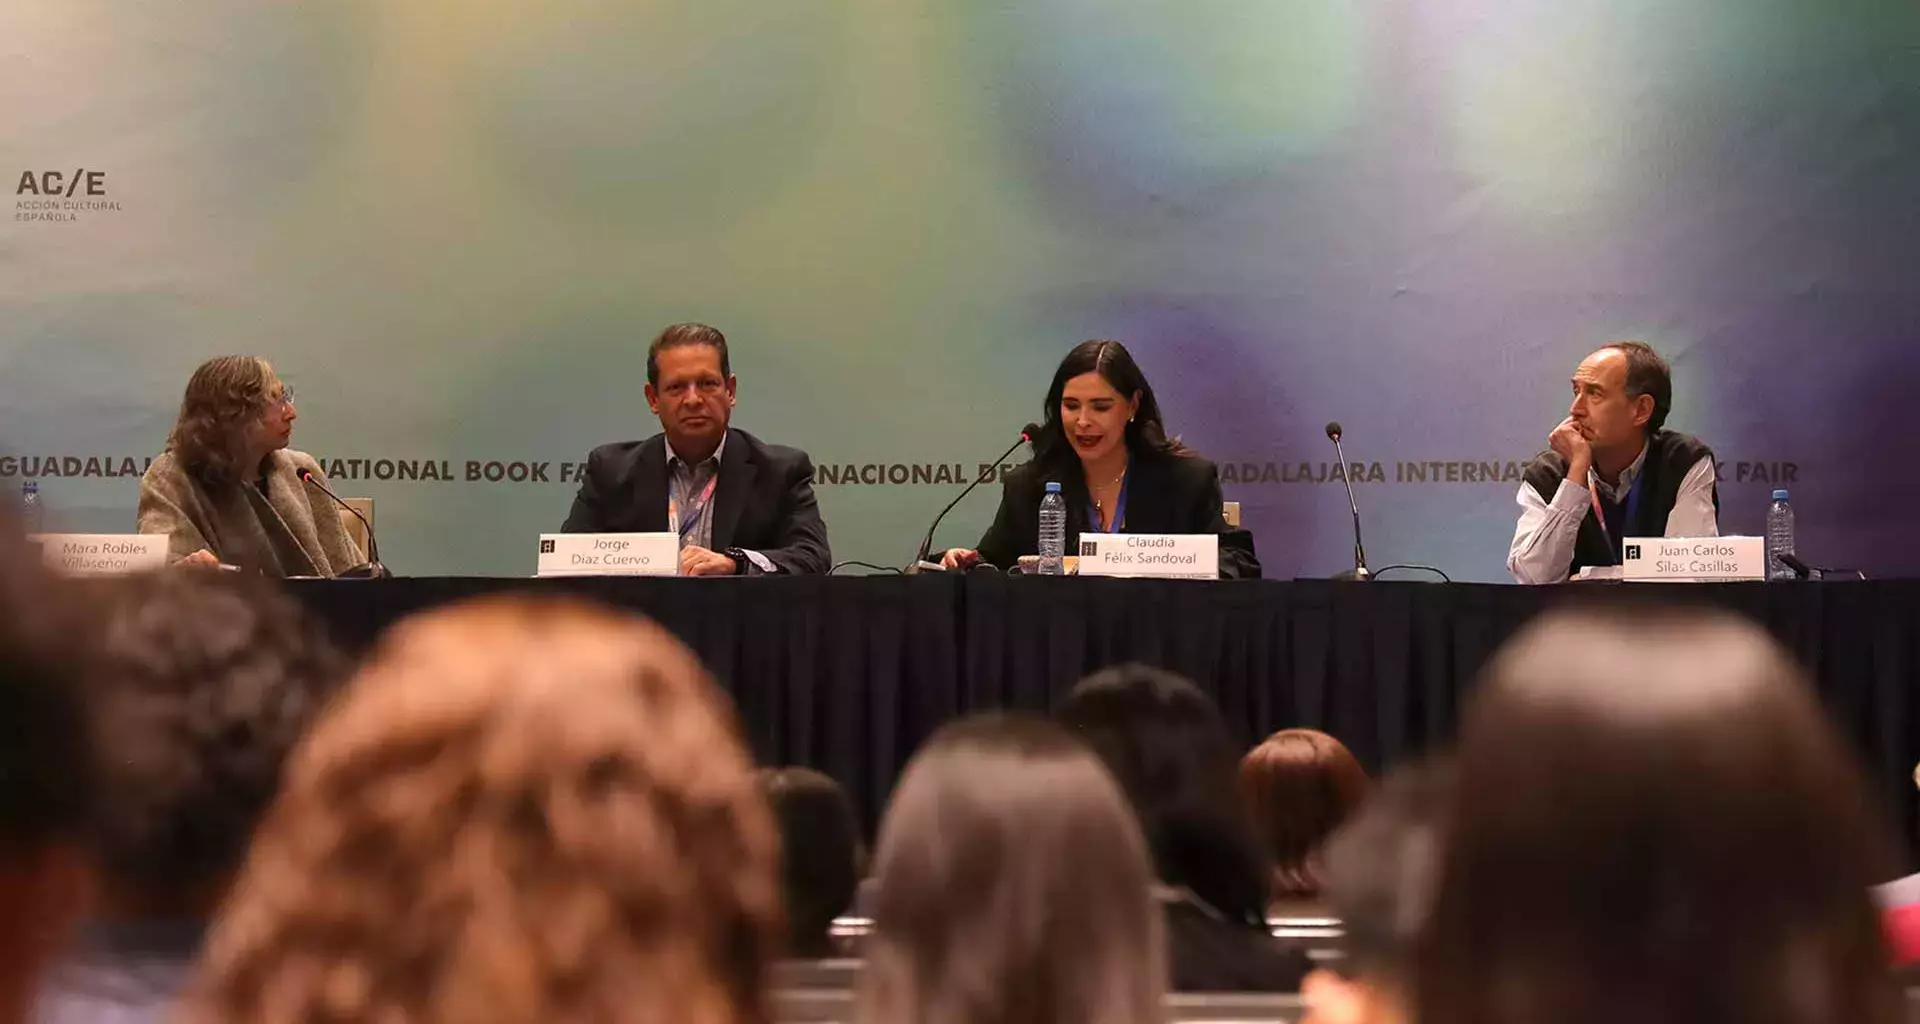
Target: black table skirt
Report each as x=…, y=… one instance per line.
x=850, y=674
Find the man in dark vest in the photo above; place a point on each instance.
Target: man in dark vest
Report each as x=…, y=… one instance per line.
x=1614, y=471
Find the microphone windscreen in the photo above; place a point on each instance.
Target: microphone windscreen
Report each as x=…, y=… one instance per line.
x=1333, y=430
x=1030, y=431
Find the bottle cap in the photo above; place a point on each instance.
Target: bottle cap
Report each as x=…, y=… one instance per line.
x=1780, y=495
x=1053, y=487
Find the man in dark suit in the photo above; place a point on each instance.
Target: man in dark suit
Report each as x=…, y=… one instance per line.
x=740, y=506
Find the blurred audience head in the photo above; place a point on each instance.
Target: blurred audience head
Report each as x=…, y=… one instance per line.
x=1011, y=884
x=821, y=857
x=1300, y=785
x=1381, y=869
x=1166, y=744
x=1655, y=823
x=520, y=811
x=202, y=684
x=46, y=782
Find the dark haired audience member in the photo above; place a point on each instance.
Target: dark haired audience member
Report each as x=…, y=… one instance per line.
x=45, y=771
x=1011, y=885
x=821, y=855
x=201, y=684
x=1299, y=785
x=1661, y=827
x=1165, y=742
x=1381, y=868
x=519, y=811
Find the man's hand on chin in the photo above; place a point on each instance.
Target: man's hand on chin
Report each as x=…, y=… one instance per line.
x=1571, y=442
x=698, y=561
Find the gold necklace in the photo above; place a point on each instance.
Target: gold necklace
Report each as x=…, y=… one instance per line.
x=1098, y=506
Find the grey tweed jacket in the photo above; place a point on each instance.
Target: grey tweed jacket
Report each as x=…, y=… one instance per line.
x=293, y=530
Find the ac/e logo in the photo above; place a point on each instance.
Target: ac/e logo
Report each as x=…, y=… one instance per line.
x=60, y=183
x=1633, y=552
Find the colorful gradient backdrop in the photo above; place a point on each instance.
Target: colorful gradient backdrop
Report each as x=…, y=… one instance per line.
x=454, y=224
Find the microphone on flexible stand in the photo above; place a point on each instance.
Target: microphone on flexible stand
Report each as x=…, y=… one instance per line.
x=920, y=562
x=369, y=570
x=1359, y=570
x=1802, y=570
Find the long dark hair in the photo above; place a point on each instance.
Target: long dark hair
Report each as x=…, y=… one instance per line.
x=1146, y=434
x=820, y=854
x=223, y=396
x=1663, y=829
x=1011, y=884
x=1167, y=744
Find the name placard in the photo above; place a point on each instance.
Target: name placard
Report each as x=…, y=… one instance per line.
x=1693, y=559
x=103, y=554
x=1180, y=555
x=608, y=554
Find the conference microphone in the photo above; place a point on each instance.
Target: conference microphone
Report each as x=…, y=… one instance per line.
x=1800, y=568
x=920, y=562
x=1359, y=571
x=372, y=569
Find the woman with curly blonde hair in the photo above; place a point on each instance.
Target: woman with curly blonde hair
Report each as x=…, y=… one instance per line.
x=520, y=811
x=229, y=490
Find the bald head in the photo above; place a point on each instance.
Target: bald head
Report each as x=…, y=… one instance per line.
x=1621, y=394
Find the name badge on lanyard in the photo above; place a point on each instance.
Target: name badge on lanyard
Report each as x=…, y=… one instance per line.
x=685, y=524
x=1627, y=517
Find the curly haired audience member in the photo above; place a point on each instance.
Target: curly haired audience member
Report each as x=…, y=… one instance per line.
x=1655, y=823
x=521, y=811
x=1166, y=744
x=45, y=771
x=200, y=685
x=1299, y=785
x=1011, y=884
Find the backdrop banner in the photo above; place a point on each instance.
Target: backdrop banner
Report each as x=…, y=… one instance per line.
x=454, y=225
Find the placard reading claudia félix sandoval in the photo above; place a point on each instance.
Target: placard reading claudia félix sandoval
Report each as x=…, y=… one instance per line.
x=1178, y=555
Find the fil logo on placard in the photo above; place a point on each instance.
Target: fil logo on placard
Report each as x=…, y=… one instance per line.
x=1089, y=549
x=546, y=547
x=61, y=196
x=1633, y=552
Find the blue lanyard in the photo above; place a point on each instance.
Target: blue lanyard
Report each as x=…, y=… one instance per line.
x=1119, y=507
x=1617, y=544
x=697, y=507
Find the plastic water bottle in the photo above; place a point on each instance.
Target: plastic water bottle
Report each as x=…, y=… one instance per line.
x=1053, y=531
x=32, y=516
x=1779, y=537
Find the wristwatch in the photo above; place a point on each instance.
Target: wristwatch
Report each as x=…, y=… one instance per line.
x=740, y=560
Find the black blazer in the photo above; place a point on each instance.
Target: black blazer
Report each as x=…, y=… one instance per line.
x=764, y=500
x=1165, y=494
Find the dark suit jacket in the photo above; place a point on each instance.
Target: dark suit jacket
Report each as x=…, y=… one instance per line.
x=764, y=501
x=1165, y=494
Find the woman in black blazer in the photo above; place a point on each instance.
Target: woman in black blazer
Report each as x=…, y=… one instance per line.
x=1104, y=443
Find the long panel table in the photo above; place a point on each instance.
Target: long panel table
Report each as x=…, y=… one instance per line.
x=850, y=674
